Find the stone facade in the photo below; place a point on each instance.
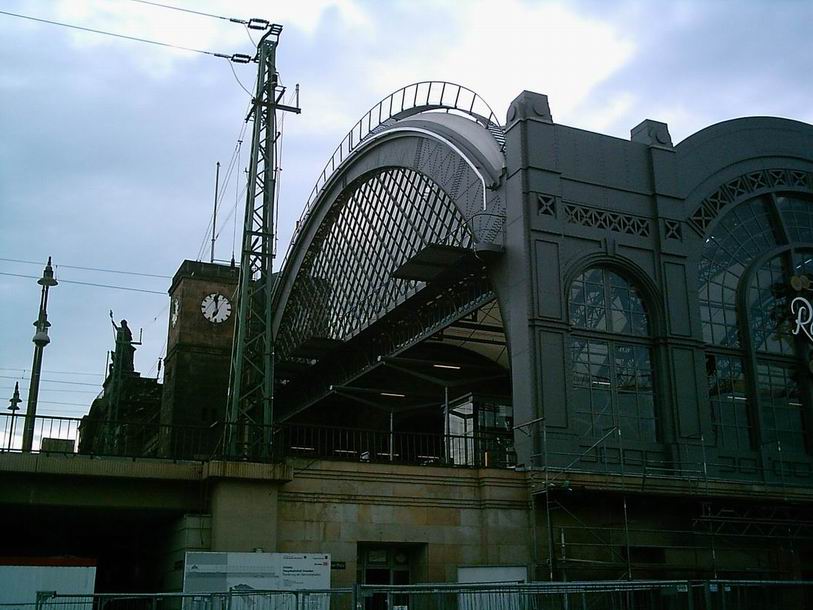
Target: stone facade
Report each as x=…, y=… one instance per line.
x=455, y=517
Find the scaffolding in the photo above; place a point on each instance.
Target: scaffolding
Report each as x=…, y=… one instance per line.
x=715, y=531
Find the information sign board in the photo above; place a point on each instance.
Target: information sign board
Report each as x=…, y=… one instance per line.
x=222, y=572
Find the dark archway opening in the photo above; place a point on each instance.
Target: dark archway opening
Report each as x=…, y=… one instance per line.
x=446, y=400
x=129, y=548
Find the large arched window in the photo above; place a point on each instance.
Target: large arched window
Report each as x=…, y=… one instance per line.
x=611, y=357
x=753, y=361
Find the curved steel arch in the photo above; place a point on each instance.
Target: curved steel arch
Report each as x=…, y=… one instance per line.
x=413, y=99
x=345, y=281
x=423, y=96
x=460, y=155
x=349, y=306
x=417, y=179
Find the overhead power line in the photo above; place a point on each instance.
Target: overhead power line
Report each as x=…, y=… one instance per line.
x=94, y=385
x=53, y=402
x=55, y=391
x=254, y=23
x=54, y=372
x=239, y=58
x=61, y=281
x=239, y=82
x=17, y=260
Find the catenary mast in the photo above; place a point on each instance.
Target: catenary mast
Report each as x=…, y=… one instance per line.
x=250, y=407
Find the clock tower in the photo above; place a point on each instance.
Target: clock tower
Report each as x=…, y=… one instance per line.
x=199, y=340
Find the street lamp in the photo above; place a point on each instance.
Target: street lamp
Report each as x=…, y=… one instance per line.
x=14, y=406
x=40, y=341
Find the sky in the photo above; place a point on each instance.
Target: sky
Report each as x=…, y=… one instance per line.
x=108, y=147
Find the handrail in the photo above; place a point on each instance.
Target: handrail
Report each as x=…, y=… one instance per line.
x=201, y=442
x=412, y=99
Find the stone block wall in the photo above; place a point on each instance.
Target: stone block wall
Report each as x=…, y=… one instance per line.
x=453, y=517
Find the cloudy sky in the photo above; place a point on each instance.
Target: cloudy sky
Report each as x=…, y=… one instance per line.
x=108, y=147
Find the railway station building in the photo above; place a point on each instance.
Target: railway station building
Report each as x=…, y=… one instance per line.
x=519, y=345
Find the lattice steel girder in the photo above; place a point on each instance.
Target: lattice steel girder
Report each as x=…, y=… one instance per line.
x=432, y=309
x=767, y=521
x=345, y=281
x=250, y=404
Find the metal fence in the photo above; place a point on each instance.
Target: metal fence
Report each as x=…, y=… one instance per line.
x=688, y=461
x=90, y=436
x=70, y=435
x=328, y=599
x=598, y=595
x=602, y=595
x=419, y=448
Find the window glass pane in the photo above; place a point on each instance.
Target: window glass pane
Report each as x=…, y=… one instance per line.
x=626, y=306
x=612, y=385
x=768, y=308
x=591, y=383
x=781, y=405
x=798, y=216
x=605, y=301
x=596, y=318
x=587, y=301
x=580, y=406
x=602, y=411
x=578, y=314
x=580, y=363
x=611, y=380
x=729, y=405
x=742, y=234
x=620, y=321
x=599, y=363
x=634, y=393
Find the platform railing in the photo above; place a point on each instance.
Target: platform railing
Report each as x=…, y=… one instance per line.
x=485, y=450
x=691, y=463
x=70, y=435
x=104, y=437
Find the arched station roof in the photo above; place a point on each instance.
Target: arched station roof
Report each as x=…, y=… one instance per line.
x=391, y=242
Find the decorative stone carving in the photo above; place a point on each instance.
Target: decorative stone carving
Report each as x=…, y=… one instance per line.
x=529, y=105
x=652, y=133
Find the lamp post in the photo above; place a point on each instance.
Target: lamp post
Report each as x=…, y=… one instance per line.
x=40, y=341
x=14, y=406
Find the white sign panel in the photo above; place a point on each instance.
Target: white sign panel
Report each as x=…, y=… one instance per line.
x=222, y=572
x=490, y=574
x=20, y=584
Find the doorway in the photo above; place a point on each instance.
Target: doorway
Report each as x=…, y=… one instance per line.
x=386, y=564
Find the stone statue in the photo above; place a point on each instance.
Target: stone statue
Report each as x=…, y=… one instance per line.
x=123, y=356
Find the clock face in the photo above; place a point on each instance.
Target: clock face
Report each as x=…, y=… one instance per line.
x=216, y=308
x=175, y=311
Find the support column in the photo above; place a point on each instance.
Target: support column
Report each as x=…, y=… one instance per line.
x=244, y=515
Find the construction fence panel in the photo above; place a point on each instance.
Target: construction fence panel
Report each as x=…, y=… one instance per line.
x=594, y=595
x=537, y=596
x=328, y=599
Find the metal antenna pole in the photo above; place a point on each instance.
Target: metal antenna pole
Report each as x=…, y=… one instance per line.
x=214, y=214
x=40, y=340
x=250, y=403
